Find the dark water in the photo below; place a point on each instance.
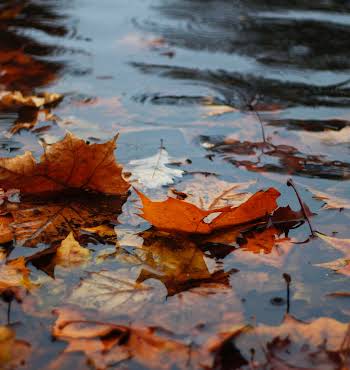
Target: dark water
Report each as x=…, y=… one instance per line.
x=153, y=70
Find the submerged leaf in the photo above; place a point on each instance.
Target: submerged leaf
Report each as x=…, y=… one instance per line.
x=341, y=265
x=49, y=220
x=106, y=344
x=13, y=352
x=109, y=291
x=320, y=344
x=178, y=263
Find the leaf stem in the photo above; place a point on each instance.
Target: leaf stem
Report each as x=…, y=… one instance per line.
x=290, y=182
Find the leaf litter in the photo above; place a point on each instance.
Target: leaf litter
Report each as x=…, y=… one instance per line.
x=163, y=293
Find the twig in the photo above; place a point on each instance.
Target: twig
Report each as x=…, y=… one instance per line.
x=291, y=183
x=251, y=108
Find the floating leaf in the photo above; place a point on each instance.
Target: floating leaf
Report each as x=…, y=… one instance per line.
x=177, y=215
x=15, y=100
x=68, y=164
x=153, y=172
x=209, y=192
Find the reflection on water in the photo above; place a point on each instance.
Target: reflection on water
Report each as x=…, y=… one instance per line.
x=291, y=58
x=200, y=77
x=25, y=60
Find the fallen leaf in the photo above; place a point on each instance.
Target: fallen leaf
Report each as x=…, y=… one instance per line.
x=106, y=344
x=218, y=110
x=70, y=253
x=264, y=247
x=152, y=172
x=109, y=291
x=68, y=164
x=14, y=275
x=15, y=100
x=177, y=215
x=330, y=201
x=50, y=220
x=225, y=353
x=13, y=352
x=6, y=234
x=178, y=263
x=209, y=192
x=259, y=156
x=341, y=265
x=261, y=242
x=322, y=343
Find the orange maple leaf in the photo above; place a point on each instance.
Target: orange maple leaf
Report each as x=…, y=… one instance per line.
x=178, y=215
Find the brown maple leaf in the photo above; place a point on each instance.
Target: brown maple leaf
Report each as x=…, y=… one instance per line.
x=177, y=215
x=75, y=185
x=68, y=164
x=49, y=220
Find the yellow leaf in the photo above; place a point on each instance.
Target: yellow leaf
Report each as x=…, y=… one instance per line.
x=71, y=253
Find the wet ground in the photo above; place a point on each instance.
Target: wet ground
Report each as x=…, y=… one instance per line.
x=235, y=90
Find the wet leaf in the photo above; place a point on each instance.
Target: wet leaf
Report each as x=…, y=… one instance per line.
x=15, y=100
x=259, y=156
x=13, y=352
x=14, y=276
x=153, y=172
x=49, y=220
x=178, y=263
x=178, y=215
x=209, y=192
x=68, y=164
x=264, y=247
x=109, y=291
x=70, y=253
x=341, y=265
x=261, y=242
x=322, y=343
x=6, y=234
x=106, y=344
x=330, y=201
x=218, y=110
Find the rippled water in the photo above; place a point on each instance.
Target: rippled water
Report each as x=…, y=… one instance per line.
x=156, y=69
